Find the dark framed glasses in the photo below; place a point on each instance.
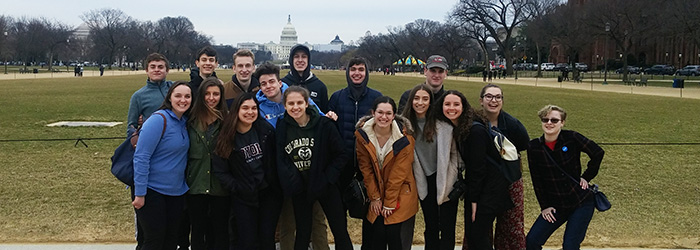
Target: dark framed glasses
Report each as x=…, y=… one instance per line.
x=553, y=120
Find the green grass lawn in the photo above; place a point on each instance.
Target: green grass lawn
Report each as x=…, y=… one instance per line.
x=55, y=192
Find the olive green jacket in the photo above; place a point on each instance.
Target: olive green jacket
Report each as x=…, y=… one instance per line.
x=200, y=178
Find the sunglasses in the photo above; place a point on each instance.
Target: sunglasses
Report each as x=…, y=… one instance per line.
x=553, y=120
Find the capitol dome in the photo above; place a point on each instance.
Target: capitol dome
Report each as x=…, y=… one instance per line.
x=289, y=33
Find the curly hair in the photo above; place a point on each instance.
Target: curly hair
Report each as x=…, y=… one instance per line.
x=464, y=121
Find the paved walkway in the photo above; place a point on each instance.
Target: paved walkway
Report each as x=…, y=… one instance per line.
x=693, y=93
x=64, y=74
x=133, y=246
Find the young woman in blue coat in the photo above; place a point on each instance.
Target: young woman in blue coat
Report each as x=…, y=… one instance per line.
x=159, y=169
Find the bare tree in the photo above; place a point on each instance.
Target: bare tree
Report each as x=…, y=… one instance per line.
x=108, y=30
x=453, y=43
x=28, y=34
x=499, y=17
x=480, y=35
x=56, y=38
x=538, y=28
x=629, y=23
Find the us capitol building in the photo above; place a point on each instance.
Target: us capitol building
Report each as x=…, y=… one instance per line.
x=288, y=39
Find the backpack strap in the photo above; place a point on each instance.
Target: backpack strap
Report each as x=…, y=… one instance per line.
x=165, y=124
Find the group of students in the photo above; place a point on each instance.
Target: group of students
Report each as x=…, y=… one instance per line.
x=254, y=156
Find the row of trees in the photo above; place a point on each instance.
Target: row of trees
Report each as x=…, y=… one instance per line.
x=530, y=28
x=114, y=37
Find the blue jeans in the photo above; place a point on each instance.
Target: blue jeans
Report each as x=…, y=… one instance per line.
x=578, y=220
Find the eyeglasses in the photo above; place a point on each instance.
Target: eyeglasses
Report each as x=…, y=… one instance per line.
x=489, y=97
x=553, y=120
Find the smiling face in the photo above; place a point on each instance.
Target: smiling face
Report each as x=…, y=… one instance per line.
x=156, y=71
x=206, y=64
x=357, y=73
x=296, y=105
x=383, y=115
x=435, y=76
x=452, y=108
x=270, y=86
x=300, y=60
x=248, y=113
x=421, y=102
x=243, y=67
x=212, y=96
x=492, y=101
x=549, y=126
x=181, y=99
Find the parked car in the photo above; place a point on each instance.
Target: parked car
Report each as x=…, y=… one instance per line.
x=660, y=70
x=630, y=69
x=689, y=70
x=562, y=66
x=581, y=67
x=547, y=66
x=524, y=66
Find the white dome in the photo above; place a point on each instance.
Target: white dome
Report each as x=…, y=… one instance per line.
x=289, y=33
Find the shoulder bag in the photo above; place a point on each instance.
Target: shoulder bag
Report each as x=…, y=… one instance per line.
x=123, y=158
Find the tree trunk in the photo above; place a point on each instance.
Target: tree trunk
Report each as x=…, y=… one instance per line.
x=50, y=61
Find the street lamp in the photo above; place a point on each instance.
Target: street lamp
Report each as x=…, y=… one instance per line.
x=5, y=53
x=679, y=60
x=607, y=29
x=666, y=62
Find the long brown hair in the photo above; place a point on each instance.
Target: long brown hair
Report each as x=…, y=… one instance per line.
x=227, y=134
x=410, y=114
x=200, y=110
x=169, y=105
x=464, y=121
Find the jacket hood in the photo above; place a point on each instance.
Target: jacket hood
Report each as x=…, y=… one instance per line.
x=357, y=90
x=194, y=74
x=403, y=122
x=263, y=99
x=307, y=71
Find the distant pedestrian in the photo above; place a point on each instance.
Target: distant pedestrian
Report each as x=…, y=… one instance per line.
x=485, y=74
x=504, y=73
x=490, y=75
x=102, y=69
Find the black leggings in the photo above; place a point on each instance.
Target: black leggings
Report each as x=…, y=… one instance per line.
x=255, y=225
x=160, y=220
x=440, y=220
x=335, y=213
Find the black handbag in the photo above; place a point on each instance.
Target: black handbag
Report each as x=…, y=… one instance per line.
x=355, y=199
x=602, y=203
x=123, y=158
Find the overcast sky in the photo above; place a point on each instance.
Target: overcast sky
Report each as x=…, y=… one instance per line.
x=233, y=21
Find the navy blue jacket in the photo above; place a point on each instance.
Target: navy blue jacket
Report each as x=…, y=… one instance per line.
x=349, y=111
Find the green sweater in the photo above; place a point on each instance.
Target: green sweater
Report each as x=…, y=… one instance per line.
x=199, y=175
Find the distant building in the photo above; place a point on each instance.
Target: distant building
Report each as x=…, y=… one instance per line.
x=81, y=32
x=249, y=46
x=335, y=45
